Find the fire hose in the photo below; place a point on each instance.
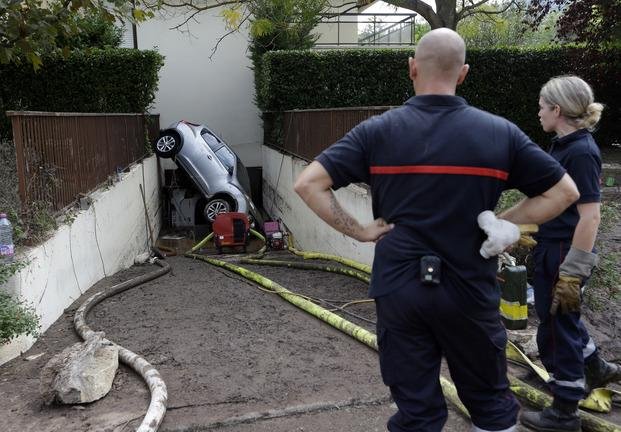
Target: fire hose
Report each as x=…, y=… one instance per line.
x=159, y=395
x=521, y=389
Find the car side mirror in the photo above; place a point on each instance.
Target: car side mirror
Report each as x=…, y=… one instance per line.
x=230, y=170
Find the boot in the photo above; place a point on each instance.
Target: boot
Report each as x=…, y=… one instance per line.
x=562, y=416
x=598, y=372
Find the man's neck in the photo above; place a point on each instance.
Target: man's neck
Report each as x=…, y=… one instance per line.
x=434, y=89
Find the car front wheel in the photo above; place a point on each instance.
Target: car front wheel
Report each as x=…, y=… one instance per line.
x=168, y=144
x=215, y=207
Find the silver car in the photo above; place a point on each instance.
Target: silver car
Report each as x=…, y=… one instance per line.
x=214, y=167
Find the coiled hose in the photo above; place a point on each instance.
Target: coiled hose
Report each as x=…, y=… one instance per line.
x=159, y=395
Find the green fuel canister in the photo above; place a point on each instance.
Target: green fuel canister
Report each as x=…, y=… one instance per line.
x=513, y=306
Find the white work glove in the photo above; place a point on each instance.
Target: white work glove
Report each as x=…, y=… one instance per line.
x=500, y=234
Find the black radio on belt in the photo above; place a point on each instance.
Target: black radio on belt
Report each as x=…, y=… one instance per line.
x=430, y=270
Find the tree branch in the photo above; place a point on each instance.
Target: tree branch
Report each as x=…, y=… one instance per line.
x=215, y=48
x=469, y=12
x=421, y=8
x=191, y=5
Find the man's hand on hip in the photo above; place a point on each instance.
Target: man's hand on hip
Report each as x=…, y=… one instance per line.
x=374, y=231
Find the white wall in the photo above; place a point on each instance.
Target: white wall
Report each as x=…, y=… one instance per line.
x=218, y=91
x=99, y=242
x=310, y=232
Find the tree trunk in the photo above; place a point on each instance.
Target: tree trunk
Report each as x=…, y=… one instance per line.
x=446, y=10
x=421, y=8
x=444, y=16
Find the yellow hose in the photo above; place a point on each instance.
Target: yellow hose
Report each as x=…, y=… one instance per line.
x=600, y=399
x=202, y=243
x=521, y=389
x=306, y=266
x=347, y=327
x=321, y=256
x=210, y=236
x=589, y=421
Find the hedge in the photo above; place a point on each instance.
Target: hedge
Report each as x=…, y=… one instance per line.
x=111, y=81
x=505, y=81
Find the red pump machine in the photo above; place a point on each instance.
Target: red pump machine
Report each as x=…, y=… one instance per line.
x=230, y=230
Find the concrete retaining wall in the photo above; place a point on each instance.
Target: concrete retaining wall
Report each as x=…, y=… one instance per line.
x=98, y=242
x=310, y=232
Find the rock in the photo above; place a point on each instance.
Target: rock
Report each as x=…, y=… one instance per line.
x=526, y=340
x=81, y=373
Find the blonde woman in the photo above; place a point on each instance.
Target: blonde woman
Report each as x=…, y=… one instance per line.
x=564, y=258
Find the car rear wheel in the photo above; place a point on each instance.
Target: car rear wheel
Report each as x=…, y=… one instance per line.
x=168, y=144
x=215, y=207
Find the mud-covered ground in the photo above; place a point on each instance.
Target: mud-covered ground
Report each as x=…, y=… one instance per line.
x=228, y=349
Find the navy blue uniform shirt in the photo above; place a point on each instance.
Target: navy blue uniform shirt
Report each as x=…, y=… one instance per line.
x=433, y=165
x=580, y=156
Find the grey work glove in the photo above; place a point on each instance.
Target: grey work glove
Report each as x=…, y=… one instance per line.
x=577, y=265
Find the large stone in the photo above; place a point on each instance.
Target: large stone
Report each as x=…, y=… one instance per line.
x=81, y=373
x=526, y=340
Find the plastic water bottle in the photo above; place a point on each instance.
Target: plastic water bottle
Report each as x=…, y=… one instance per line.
x=7, y=249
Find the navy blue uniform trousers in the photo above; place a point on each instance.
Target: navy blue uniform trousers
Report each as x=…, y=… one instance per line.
x=563, y=340
x=416, y=325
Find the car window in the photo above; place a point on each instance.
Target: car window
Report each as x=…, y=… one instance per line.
x=242, y=176
x=226, y=157
x=212, y=141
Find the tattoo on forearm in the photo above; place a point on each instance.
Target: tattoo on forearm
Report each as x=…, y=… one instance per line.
x=342, y=221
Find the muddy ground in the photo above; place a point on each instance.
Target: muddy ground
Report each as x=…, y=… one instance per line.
x=227, y=349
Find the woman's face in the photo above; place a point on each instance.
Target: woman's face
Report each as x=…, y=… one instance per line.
x=548, y=115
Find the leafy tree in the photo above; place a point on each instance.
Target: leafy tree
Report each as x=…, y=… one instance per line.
x=447, y=14
x=594, y=22
x=31, y=28
x=450, y=12
x=96, y=31
x=284, y=24
x=506, y=29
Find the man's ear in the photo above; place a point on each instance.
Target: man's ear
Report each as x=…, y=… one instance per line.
x=412, y=68
x=462, y=74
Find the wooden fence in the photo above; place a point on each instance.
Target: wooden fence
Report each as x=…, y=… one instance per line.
x=62, y=155
x=306, y=133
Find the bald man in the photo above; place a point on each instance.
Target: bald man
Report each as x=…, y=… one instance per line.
x=433, y=165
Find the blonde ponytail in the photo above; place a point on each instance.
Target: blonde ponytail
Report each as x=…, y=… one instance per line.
x=592, y=115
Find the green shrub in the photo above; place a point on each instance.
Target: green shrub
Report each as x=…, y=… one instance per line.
x=16, y=318
x=505, y=81
x=109, y=81
x=96, y=31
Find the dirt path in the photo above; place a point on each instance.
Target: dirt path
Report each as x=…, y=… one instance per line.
x=225, y=349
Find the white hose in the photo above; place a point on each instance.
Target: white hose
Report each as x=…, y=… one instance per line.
x=159, y=395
